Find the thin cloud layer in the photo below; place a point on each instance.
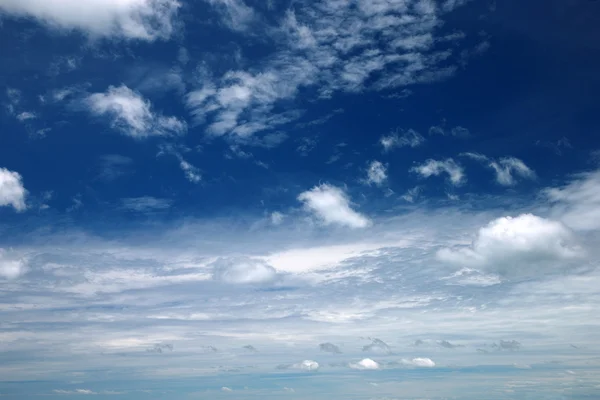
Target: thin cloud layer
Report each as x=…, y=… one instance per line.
x=12, y=191
x=147, y=20
x=515, y=247
x=131, y=114
x=332, y=206
x=409, y=138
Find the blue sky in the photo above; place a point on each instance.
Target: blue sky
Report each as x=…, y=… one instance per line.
x=383, y=199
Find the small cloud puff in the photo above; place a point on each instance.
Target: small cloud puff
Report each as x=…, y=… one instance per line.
x=243, y=270
x=419, y=362
x=366, y=363
x=306, y=365
x=435, y=168
x=11, y=267
x=12, y=191
x=376, y=173
x=508, y=246
x=332, y=205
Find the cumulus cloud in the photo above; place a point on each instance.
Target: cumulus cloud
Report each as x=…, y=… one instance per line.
x=409, y=138
x=332, y=206
x=129, y=19
x=505, y=168
x=514, y=247
x=11, y=266
x=436, y=168
x=376, y=173
x=335, y=46
x=366, y=363
x=131, y=114
x=330, y=348
x=12, y=191
x=577, y=203
x=307, y=365
x=419, y=362
x=243, y=270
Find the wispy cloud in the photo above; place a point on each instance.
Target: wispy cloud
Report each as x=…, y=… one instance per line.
x=332, y=206
x=335, y=46
x=409, y=138
x=436, y=167
x=130, y=19
x=145, y=204
x=131, y=114
x=376, y=173
x=505, y=168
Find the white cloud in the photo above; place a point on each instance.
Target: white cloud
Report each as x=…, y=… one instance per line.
x=226, y=389
x=505, y=168
x=366, y=363
x=376, y=173
x=436, y=168
x=12, y=191
x=26, y=116
x=130, y=19
x=332, y=205
x=307, y=365
x=516, y=247
x=236, y=14
x=76, y=391
x=192, y=173
x=243, y=270
x=409, y=138
x=412, y=194
x=419, y=362
x=131, y=114
x=577, y=204
x=335, y=46
x=11, y=267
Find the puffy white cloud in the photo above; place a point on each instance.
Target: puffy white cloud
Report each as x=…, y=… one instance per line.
x=436, y=167
x=577, y=204
x=505, y=168
x=131, y=114
x=419, y=362
x=130, y=19
x=409, y=138
x=332, y=205
x=515, y=247
x=366, y=363
x=243, y=270
x=12, y=191
x=11, y=267
x=307, y=365
x=376, y=173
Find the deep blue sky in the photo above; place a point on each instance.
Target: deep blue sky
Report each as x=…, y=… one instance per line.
x=177, y=174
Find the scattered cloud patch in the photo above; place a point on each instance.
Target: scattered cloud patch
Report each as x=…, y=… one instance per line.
x=226, y=389
x=457, y=131
x=364, y=364
x=435, y=168
x=160, y=348
x=376, y=173
x=378, y=346
x=76, y=392
x=307, y=365
x=114, y=166
x=277, y=218
x=330, y=348
x=509, y=345
x=243, y=270
x=517, y=246
x=412, y=194
x=12, y=191
x=192, y=173
x=129, y=19
x=419, y=362
x=398, y=139
x=332, y=206
x=26, y=116
x=131, y=114
x=505, y=168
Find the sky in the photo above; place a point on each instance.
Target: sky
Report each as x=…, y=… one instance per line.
x=334, y=199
